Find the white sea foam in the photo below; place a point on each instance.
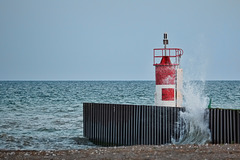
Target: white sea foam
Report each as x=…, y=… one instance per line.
x=195, y=129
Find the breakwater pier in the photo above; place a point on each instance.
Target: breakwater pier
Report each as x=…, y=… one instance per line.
x=120, y=124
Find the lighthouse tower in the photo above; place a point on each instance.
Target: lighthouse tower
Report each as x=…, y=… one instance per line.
x=168, y=75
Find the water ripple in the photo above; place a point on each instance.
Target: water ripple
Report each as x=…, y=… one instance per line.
x=48, y=115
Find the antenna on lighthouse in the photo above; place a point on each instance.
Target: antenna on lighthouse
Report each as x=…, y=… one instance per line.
x=165, y=41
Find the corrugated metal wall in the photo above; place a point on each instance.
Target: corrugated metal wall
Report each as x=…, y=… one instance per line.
x=224, y=125
x=116, y=124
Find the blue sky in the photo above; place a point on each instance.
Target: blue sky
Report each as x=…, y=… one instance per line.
x=113, y=40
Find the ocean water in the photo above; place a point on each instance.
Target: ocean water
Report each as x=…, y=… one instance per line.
x=47, y=115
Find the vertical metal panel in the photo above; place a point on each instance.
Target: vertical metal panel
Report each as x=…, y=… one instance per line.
x=230, y=127
x=213, y=126
x=114, y=125
x=119, y=125
x=108, y=126
x=217, y=127
x=85, y=133
x=224, y=128
x=129, y=125
x=95, y=118
x=84, y=123
x=169, y=124
x=138, y=125
x=124, y=125
x=99, y=124
x=160, y=125
x=164, y=125
x=95, y=126
x=111, y=125
x=135, y=125
x=93, y=121
x=132, y=125
x=149, y=125
x=133, y=141
x=177, y=126
x=210, y=122
x=106, y=138
x=121, y=129
x=165, y=116
x=105, y=134
x=237, y=126
x=234, y=126
x=103, y=124
x=133, y=130
x=118, y=109
x=86, y=119
x=221, y=126
x=155, y=126
x=174, y=110
x=109, y=121
x=142, y=124
x=146, y=125
x=90, y=124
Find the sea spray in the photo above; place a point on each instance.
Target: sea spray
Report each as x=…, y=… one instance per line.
x=193, y=123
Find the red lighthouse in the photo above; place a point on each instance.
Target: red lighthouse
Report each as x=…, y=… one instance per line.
x=168, y=75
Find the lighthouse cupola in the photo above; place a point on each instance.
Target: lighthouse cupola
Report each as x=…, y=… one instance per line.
x=168, y=75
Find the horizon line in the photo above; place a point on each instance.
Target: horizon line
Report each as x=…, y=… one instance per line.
x=107, y=80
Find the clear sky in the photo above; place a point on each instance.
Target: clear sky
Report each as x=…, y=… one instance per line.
x=114, y=39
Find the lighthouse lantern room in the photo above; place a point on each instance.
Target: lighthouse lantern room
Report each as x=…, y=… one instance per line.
x=168, y=75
